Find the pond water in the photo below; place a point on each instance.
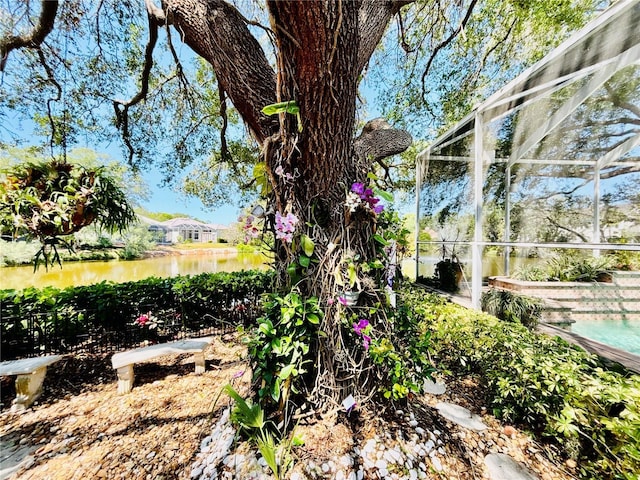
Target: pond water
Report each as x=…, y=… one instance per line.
x=622, y=334
x=88, y=273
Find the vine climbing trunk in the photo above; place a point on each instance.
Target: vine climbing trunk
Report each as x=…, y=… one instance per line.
x=318, y=46
x=310, y=159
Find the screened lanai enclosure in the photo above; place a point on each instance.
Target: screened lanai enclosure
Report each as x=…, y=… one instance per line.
x=549, y=163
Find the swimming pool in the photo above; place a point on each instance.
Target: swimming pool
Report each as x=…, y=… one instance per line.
x=622, y=334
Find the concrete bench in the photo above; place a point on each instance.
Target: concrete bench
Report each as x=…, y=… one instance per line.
x=30, y=375
x=123, y=362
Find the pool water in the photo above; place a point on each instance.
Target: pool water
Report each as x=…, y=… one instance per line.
x=622, y=334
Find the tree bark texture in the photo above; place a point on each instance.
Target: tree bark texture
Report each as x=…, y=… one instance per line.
x=317, y=45
x=311, y=160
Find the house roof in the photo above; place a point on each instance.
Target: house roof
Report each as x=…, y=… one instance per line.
x=191, y=223
x=182, y=222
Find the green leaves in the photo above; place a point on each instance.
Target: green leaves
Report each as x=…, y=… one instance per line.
x=386, y=196
x=46, y=200
x=283, y=107
x=248, y=415
x=280, y=346
x=307, y=245
x=261, y=178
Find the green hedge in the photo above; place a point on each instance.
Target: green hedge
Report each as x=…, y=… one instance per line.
x=36, y=321
x=543, y=383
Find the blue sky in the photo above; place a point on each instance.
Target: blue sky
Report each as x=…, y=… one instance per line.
x=163, y=199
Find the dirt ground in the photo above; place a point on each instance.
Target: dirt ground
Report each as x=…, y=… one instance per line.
x=82, y=429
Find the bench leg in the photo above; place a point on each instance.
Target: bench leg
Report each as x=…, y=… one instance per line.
x=125, y=379
x=28, y=389
x=199, y=357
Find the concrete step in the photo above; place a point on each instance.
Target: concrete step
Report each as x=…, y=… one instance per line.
x=626, y=278
x=582, y=292
x=556, y=313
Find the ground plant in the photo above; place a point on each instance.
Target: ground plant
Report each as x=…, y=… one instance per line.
x=511, y=306
x=550, y=387
x=569, y=267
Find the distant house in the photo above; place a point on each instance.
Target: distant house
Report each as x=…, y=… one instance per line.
x=185, y=230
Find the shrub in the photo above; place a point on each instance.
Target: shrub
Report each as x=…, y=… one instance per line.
x=511, y=307
x=50, y=319
x=543, y=383
x=17, y=253
x=137, y=241
x=625, y=260
x=569, y=267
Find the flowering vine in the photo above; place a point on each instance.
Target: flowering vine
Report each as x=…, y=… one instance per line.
x=285, y=226
x=249, y=228
x=362, y=328
x=363, y=196
x=285, y=175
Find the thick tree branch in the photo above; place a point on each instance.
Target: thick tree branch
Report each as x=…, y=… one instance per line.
x=217, y=32
x=444, y=43
x=49, y=9
x=562, y=227
x=379, y=140
x=155, y=12
x=616, y=99
x=373, y=18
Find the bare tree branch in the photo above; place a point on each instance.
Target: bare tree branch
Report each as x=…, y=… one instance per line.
x=224, y=150
x=444, y=43
x=474, y=77
x=562, y=227
x=121, y=107
x=98, y=34
x=49, y=10
x=52, y=80
x=218, y=33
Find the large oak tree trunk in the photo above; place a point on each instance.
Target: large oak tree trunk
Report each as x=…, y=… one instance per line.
x=318, y=45
x=322, y=47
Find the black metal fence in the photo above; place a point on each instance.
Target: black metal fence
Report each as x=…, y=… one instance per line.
x=88, y=331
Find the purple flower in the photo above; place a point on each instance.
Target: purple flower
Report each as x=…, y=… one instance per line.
x=358, y=188
x=366, y=197
x=366, y=340
x=238, y=374
x=360, y=326
x=342, y=300
x=291, y=220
